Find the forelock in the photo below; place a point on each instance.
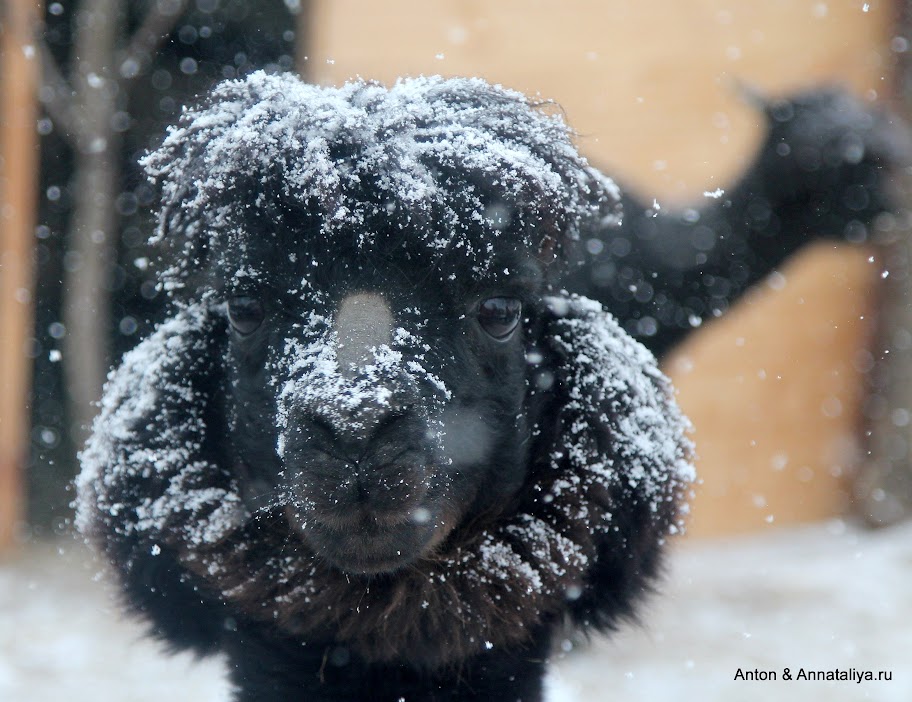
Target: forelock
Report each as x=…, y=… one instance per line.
x=450, y=159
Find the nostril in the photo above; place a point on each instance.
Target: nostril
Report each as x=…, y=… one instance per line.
x=388, y=421
x=322, y=426
x=350, y=431
x=367, y=422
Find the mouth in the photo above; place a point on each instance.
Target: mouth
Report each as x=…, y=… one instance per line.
x=370, y=506
x=363, y=543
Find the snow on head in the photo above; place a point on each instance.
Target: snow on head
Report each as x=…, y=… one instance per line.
x=455, y=161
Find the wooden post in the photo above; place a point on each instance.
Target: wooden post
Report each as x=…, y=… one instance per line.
x=883, y=490
x=18, y=186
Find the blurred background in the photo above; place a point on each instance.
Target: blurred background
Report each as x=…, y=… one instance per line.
x=800, y=394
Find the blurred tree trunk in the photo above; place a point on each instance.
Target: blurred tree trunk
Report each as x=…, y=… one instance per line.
x=18, y=186
x=105, y=60
x=92, y=235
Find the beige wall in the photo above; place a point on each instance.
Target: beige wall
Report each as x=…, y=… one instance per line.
x=651, y=86
x=644, y=82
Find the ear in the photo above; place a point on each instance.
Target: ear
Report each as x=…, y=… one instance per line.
x=603, y=197
x=547, y=249
x=175, y=169
x=147, y=470
x=594, y=205
x=614, y=461
x=196, y=188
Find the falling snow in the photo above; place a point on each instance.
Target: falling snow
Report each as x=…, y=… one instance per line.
x=824, y=596
x=149, y=472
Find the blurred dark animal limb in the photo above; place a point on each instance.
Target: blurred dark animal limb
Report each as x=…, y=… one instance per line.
x=823, y=171
x=831, y=167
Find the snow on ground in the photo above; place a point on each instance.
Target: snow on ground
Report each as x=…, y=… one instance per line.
x=825, y=597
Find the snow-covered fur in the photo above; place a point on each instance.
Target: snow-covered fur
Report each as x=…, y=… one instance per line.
x=378, y=452
x=375, y=454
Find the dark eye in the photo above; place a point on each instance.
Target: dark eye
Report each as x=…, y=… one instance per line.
x=245, y=314
x=499, y=316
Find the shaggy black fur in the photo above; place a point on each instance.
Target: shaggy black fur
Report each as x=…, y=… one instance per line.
x=376, y=453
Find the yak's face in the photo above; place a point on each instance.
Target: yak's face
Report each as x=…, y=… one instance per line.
x=376, y=252
x=383, y=402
